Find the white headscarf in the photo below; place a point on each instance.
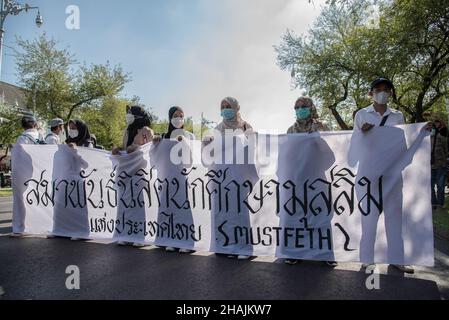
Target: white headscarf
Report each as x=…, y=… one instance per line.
x=310, y=124
x=235, y=123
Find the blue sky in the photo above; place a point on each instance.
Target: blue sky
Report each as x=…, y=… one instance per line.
x=190, y=53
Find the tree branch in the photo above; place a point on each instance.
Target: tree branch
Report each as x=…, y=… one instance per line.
x=333, y=107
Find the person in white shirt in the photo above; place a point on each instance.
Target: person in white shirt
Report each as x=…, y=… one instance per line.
x=56, y=127
x=379, y=115
x=30, y=135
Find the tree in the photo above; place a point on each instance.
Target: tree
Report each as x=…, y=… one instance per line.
x=57, y=86
x=10, y=127
x=106, y=121
x=342, y=54
x=421, y=30
x=330, y=62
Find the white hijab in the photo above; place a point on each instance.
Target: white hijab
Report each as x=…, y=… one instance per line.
x=235, y=123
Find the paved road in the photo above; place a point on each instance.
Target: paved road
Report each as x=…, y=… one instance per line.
x=34, y=268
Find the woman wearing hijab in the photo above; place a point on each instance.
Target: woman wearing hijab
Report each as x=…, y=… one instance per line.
x=176, y=125
x=230, y=111
x=136, y=134
x=138, y=131
x=176, y=131
x=79, y=134
x=232, y=120
x=136, y=119
x=306, y=117
x=306, y=122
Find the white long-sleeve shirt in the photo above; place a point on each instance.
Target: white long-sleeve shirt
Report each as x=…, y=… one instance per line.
x=371, y=116
x=52, y=138
x=30, y=136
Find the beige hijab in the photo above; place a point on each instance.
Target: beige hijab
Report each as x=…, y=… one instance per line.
x=308, y=125
x=237, y=122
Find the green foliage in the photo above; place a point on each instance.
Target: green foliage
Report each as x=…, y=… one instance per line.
x=342, y=53
x=160, y=126
x=10, y=127
x=57, y=86
x=107, y=121
x=5, y=192
x=198, y=129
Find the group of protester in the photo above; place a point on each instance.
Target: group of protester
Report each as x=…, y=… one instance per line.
x=139, y=132
x=78, y=133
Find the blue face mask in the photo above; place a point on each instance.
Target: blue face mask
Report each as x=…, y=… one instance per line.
x=303, y=113
x=228, y=114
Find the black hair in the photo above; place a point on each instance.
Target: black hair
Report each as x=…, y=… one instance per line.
x=55, y=127
x=28, y=121
x=171, y=128
x=83, y=139
x=142, y=119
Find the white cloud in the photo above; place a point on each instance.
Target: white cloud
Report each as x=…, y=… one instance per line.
x=235, y=57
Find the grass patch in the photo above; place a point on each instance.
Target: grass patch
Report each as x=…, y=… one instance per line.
x=441, y=216
x=5, y=192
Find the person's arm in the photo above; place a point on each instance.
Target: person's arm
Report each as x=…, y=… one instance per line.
x=248, y=128
x=445, y=150
x=132, y=148
x=116, y=149
x=21, y=140
x=321, y=126
x=357, y=124
x=191, y=136
x=402, y=120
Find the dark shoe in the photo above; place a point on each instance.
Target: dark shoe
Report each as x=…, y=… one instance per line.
x=332, y=264
x=405, y=269
x=186, y=251
x=16, y=235
x=291, y=261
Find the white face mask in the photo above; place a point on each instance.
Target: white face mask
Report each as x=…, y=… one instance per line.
x=177, y=122
x=129, y=118
x=381, y=97
x=73, y=133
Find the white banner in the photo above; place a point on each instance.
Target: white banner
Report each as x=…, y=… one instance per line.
x=320, y=196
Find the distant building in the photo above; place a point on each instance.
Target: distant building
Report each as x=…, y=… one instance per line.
x=12, y=96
